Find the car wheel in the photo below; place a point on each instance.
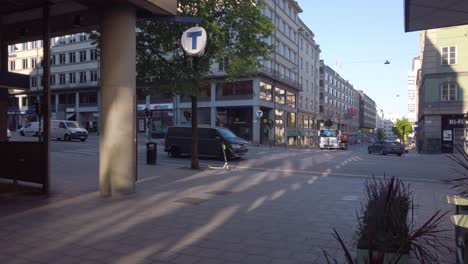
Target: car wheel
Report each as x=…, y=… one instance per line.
x=369, y=151
x=22, y=133
x=59, y=139
x=66, y=137
x=36, y=134
x=399, y=155
x=83, y=140
x=384, y=153
x=175, y=152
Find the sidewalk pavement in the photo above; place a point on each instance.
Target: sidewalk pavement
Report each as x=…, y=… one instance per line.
x=180, y=215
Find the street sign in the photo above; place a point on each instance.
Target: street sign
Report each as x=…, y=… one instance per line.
x=259, y=113
x=193, y=41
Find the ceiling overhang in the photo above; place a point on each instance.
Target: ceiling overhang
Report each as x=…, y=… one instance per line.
x=21, y=20
x=10, y=80
x=429, y=14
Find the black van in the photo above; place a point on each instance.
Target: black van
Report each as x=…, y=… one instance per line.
x=178, y=141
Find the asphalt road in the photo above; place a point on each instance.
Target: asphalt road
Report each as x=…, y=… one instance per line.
x=354, y=162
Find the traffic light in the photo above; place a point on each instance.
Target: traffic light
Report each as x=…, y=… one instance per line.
x=148, y=113
x=37, y=107
x=187, y=115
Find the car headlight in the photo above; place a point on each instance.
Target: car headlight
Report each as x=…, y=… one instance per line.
x=235, y=146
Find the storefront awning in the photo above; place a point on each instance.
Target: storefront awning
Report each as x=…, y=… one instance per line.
x=428, y=14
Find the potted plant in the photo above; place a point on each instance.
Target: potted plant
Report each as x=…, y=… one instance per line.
x=386, y=231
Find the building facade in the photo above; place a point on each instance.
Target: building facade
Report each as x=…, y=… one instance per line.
x=443, y=86
x=74, y=80
x=338, y=101
x=275, y=92
x=367, y=113
x=413, y=91
x=309, y=78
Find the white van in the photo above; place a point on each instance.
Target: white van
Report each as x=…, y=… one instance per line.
x=30, y=129
x=67, y=130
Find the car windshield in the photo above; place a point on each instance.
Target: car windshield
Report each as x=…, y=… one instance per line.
x=71, y=124
x=226, y=133
x=328, y=133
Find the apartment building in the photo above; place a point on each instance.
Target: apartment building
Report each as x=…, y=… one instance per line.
x=309, y=78
x=74, y=80
x=367, y=113
x=338, y=101
x=443, y=94
x=413, y=91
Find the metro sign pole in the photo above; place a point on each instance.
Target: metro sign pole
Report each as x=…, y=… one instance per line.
x=193, y=42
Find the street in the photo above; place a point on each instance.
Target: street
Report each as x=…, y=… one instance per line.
x=274, y=206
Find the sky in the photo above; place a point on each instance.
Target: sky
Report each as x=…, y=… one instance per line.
x=361, y=35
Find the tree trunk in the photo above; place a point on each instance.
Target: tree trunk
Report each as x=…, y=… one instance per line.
x=195, y=163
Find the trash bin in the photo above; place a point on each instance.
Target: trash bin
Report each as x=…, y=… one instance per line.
x=151, y=153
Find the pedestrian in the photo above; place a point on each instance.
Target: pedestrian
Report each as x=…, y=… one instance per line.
x=419, y=144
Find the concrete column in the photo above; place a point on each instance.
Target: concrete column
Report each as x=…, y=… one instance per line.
x=3, y=93
x=213, y=104
x=77, y=108
x=255, y=126
x=57, y=97
x=117, y=167
x=213, y=116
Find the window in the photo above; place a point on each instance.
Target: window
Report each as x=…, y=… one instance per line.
x=82, y=55
x=62, y=40
x=280, y=96
x=72, y=77
x=82, y=77
x=291, y=120
x=94, y=54
x=83, y=37
x=13, y=48
x=33, y=62
x=72, y=39
x=12, y=65
x=33, y=81
x=52, y=79
x=41, y=80
x=94, y=76
x=62, y=58
x=52, y=60
x=62, y=78
x=34, y=45
x=72, y=57
x=449, y=55
x=25, y=46
x=265, y=92
x=448, y=92
x=223, y=64
x=291, y=99
x=25, y=63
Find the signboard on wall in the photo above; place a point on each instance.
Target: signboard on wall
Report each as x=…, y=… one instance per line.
x=447, y=135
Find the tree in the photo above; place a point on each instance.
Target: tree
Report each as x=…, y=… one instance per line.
x=402, y=129
x=236, y=32
x=380, y=134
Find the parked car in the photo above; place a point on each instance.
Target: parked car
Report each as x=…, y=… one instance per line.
x=67, y=130
x=30, y=129
x=386, y=147
x=8, y=134
x=178, y=142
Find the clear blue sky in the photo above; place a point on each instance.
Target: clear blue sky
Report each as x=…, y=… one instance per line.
x=366, y=30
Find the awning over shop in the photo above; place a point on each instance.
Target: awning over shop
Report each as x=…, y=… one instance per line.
x=296, y=133
x=428, y=14
x=9, y=80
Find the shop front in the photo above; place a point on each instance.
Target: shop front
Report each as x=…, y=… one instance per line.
x=453, y=132
x=237, y=119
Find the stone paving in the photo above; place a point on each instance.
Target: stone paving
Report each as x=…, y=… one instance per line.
x=184, y=216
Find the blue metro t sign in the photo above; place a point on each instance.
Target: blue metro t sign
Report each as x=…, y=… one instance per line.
x=194, y=41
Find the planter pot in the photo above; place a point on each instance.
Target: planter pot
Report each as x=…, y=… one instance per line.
x=389, y=258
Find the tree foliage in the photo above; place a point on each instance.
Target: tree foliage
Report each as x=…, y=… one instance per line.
x=402, y=128
x=236, y=32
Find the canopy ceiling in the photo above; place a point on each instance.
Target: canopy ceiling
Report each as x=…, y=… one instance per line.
x=21, y=20
x=429, y=14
